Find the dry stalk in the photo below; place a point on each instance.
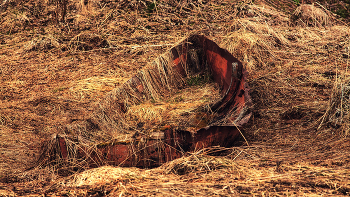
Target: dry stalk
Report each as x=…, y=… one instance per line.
x=310, y=15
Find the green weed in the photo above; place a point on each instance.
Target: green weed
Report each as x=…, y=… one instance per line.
x=297, y=2
x=198, y=80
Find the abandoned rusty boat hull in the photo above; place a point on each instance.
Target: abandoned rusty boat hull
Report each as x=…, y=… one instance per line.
x=232, y=111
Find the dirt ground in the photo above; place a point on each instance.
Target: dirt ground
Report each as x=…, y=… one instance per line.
x=55, y=67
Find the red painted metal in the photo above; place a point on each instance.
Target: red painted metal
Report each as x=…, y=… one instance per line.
x=232, y=112
x=63, y=146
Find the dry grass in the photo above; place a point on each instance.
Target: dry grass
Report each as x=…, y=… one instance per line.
x=337, y=114
x=310, y=15
x=84, y=88
x=102, y=175
x=87, y=41
x=178, y=108
x=243, y=171
x=50, y=78
x=41, y=43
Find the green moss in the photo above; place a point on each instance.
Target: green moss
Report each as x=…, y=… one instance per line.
x=151, y=7
x=60, y=89
x=343, y=13
x=198, y=80
x=178, y=99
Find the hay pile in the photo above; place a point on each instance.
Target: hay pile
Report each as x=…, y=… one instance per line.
x=309, y=15
x=102, y=175
x=337, y=115
x=339, y=112
x=178, y=111
x=42, y=43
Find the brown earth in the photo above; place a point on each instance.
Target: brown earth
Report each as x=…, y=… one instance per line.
x=54, y=71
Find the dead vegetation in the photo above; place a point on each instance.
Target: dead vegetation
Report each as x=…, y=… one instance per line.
x=310, y=15
x=52, y=73
x=337, y=114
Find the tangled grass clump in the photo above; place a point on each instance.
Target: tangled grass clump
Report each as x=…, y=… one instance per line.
x=309, y=15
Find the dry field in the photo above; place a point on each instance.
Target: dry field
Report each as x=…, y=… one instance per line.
x=58, y=59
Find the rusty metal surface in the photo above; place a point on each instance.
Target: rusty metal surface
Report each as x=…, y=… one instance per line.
x=232, y=111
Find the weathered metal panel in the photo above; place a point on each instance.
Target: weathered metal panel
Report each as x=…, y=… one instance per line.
x=232, y=111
